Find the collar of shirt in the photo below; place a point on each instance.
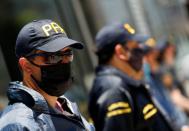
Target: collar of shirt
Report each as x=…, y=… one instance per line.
x=62, y=106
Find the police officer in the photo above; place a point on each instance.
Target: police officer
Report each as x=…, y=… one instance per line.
x=153, y=74
x=45, y=55
x=119, y=99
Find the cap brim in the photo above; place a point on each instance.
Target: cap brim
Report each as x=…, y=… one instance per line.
x=141, y=39
x=60, y=43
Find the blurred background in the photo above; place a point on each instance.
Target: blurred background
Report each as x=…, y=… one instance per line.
x=82, y=19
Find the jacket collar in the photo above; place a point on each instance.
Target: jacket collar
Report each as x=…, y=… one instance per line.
x=110, y=70
x=17, y=92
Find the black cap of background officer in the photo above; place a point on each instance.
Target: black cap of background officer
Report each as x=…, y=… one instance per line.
x=45, y=35
x=110, y=35
x=149, y=45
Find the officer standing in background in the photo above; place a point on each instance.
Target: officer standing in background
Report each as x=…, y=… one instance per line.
x=45, y=55
x=153, y=74
x=119, y=99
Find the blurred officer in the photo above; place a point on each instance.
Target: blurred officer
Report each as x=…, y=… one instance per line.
x=45, y=55
x=153, y=76
x=167, y=59
x=119, y=99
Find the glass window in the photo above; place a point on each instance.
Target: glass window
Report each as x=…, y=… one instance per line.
x=4, y=79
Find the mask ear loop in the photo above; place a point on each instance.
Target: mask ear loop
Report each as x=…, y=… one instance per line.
x=34, y=63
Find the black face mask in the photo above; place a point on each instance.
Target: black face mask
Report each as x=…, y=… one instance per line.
x=136, y=59
x=55, y=79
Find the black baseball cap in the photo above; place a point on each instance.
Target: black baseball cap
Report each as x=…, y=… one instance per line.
x=115, y=33
x=45, y=35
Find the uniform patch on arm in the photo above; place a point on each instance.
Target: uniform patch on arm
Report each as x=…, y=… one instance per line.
x=149, y=110
x=118, y=108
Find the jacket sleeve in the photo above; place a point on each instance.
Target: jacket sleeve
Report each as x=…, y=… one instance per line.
x=88, y=126
x=115, y=111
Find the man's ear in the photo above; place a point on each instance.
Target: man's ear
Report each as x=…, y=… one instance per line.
x=25, y=65
x=121, y=53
